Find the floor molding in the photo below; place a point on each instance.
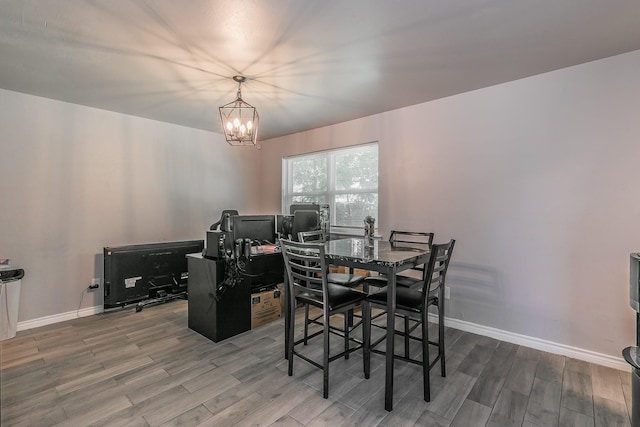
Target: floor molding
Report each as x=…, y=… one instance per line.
x=537, y=343
x=524, y=340
x=56, y=318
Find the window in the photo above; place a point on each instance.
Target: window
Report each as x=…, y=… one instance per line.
x=346, y=179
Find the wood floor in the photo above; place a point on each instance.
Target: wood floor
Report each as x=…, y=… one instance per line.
x=137, y=369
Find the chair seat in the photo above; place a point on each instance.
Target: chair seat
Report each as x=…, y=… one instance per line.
x=345, y=279
x=339, y=296
x=401, y=281
x=406, y=299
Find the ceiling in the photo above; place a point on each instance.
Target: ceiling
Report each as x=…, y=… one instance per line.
x=308, y=63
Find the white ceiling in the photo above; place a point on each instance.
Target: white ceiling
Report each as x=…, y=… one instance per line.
x=308, y=63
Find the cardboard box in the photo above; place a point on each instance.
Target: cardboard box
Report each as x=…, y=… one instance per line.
x=267, y=306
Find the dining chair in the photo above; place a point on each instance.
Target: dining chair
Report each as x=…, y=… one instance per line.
x=414, y=280
x=344, y=279
x=414, y=303
x=308, y=284
x=397, y=237
x=349, y=280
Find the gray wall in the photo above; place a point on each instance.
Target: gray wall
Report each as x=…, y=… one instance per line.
x=74, y=179
x=537, y=180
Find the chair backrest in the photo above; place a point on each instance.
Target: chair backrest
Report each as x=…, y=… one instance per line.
x=216, y=225
x=311, y=236
x=436, y=271
x=304, y=220
x=306, y=268
x=413, y=237
x=419, y=237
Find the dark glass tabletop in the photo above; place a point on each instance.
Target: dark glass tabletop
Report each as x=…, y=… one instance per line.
x=382, y=252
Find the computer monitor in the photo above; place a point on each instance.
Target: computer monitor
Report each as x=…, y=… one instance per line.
x=261, y=228
x=303, y=207
x=304, y=221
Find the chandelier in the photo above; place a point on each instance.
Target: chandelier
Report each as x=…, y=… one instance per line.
x=239, y=120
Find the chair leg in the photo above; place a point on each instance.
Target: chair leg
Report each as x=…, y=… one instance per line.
x=443, y=370
x=406, y=336
x=292, y=323
x=325, y=356
x=306, y=323
x=426, y=381
x=366, y=338
x=347, y=321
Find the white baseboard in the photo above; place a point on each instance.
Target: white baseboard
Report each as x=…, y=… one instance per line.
x=55, y=318
x=524, y=340
x=537, y=343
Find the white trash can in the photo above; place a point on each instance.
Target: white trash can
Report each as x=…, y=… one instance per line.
x=9, y=302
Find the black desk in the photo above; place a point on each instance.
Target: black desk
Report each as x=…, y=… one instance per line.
x=384, y=258
x=208, y=316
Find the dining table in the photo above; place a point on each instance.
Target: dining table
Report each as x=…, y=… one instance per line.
x=384, y=258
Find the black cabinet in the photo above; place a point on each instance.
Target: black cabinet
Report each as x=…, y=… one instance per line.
x=212, y=317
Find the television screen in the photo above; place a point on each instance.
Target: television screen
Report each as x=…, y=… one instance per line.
x=136, y=272
x=261, y=228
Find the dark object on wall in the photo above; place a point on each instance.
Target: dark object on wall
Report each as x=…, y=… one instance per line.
x=156, y=271
x=632, y=354
x=216, y=312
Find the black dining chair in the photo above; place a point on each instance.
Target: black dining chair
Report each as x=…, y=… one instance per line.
x=344, y=279
x=349, y=280
x=308, y=284
x=414, y=280
x=398, y=238
x=414, y=303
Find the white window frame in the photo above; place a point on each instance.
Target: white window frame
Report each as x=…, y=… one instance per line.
x=331, y=192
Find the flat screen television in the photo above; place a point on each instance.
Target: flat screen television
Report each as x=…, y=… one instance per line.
x=260, y=228
x=134, y=273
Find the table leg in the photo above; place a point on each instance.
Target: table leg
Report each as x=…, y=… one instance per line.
x=389, y=350
x=287, y=317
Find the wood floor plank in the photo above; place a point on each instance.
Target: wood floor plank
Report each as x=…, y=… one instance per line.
x=606, y=383
x=192, y=417
x=609, y=413
x=550, y=367
x=471, y=414
x=521, y=375
x=452, y=396
x=509, y=410
x=570, y=417
x=577, y=392
x=543, y=408
x=334, y=415
x=489, y=384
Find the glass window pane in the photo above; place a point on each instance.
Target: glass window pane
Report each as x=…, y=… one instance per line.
x=346, y=179
x=351, y=209
x=357, y=169
x=309, y=199
x=309, y=174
